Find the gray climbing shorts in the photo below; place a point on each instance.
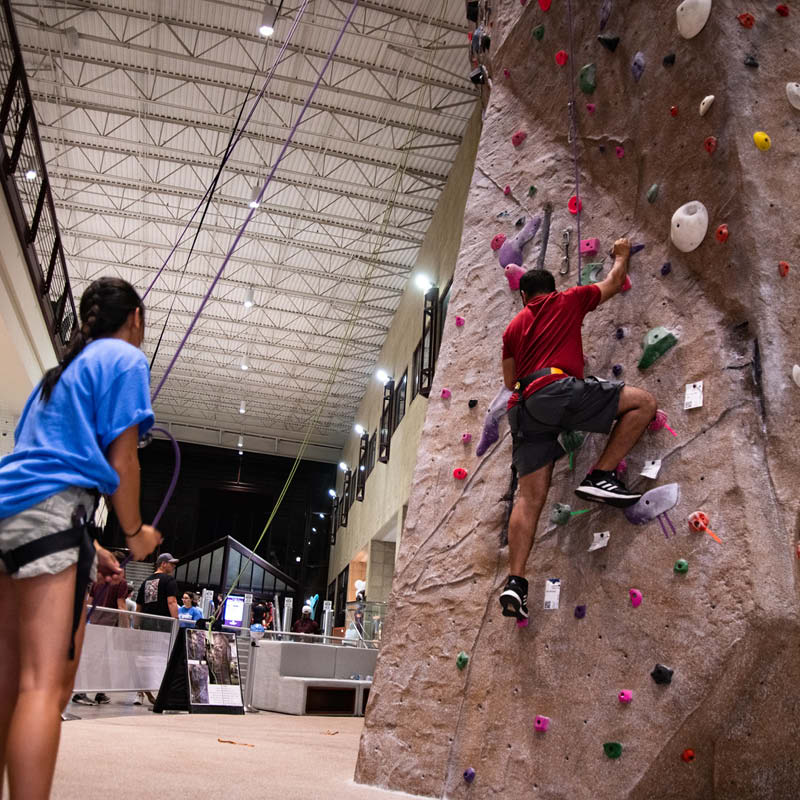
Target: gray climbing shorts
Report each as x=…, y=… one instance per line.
x=569, y=404
x=51, y=515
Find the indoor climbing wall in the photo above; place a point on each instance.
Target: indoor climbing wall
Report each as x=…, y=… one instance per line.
x=662, y=658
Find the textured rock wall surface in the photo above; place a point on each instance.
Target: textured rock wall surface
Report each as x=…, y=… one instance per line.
x=729, y=628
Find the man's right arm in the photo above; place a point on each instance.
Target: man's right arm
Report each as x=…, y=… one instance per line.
x=616, y=278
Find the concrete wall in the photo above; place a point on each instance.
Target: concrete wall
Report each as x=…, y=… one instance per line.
x=389, y=485
x=380, y=569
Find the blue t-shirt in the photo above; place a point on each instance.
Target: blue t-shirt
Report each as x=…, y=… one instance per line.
x=188, y=616
x=63, y=443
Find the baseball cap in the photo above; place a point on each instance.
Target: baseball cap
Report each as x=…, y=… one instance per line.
x=166, y=557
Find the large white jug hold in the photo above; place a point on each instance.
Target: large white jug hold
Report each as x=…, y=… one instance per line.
x=796, y=374
x=689, y=226
x=692, y=16
x=705, y=104
x=793, y=94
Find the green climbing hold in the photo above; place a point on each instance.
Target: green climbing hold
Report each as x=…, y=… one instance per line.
x=681, y=566
x=609, y=42
x=590, y=273
x=560, y=514
x=612, y=749
x=571, y=441
x=588, y=79
x=652, y=193
x=462, y=659
x=657, y=342
x=531, y=191
x=538, y=32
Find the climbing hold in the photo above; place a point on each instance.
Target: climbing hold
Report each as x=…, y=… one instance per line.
x=574, y=205
x=446, y=394
x=605, y=13
x=513, y=273
x=589, y=247
x=469, y=775
x=637, y=66
x=689, y=226
x=497, y=241
x=545, y=4
x=580, y=612
x=619, y=150
x=591, y=108
x=688, y=756
x=609, y=42
x=782, y=9
x=523, y=2
x=621, y=468
x=459, y=473
x=710, y=144
x=462, y=659
x=518, y=138
x=617, y=370
x=531, y=191
x=661, y=674
x=783, y=268
x=612, y=749
x=746, y=20
x=653, y=504
x=572, y=441
x=659, y=422
x=652, y=193
x=668, y=60
x=511, y=250
x=473, y=403
x=507, y=190
x=656, y=342
x=793, y=95
x=681, y=566
x=625, y=696
x=522, y=623
x=466, y=438
x=722, y=233
x=636, y=597
x=620, y=333
x=762, y=140
x=796, y=374
x=699, y=522
x=626, y=285
x=460, y=322
x=541, y=723
x=506, y=74
x=666, y=268
x=560, y=514
x=750, y=61
x=705, y=104
x=692, y=16
x=491, y=433
x=561, y=57
x=538, y=32
x=600, y=540
x=673, y=110
x=587, y=78
x=590, y=273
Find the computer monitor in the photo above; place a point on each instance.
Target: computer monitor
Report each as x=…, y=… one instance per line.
x=233, y=614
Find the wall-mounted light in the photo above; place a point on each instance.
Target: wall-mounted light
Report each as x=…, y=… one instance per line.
x=297, y=559
x=383, y=376
x=342, y=466
x=359, y=430
x=249, y=298
x=313, y=530
x=423, y=282
x=267, y=27
x=332, y=492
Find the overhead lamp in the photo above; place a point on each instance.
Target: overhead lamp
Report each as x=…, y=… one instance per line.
x=297, y=559
x=383, y=376
x=245, y=364
x=241, y=452
x=254, y=201
x=359, y=430
x=362, y=468
x=313, y=530
x=30, y=174
x=242, y=407
x=342, y=466
x=249, y=298
x=267, y=27
x=423, y=282
x=332, y=492
x=321, y=515
x=240, y=442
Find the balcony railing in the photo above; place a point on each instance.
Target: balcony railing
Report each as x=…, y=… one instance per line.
x=24, y=177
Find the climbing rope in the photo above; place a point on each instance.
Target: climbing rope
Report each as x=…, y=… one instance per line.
x=573, y=133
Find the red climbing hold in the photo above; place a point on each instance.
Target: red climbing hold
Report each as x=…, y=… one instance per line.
x=783, y=268
x=620, y=151
x=688, y=756
x=575, y=205
x=722, y=233
x=460, y=322
x=746, y=20
x=518, y=138
x=591, y=108
x=561, y=56
x=506, y=74
x=710, y=144
x=674, y=111
x=627, y=285
x=459, y=473
x=507, y=190
x=783, y=10
x=497, y=241
x=545, y=4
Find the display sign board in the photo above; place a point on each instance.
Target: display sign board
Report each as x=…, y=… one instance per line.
x=233, y=613
x=202, y=675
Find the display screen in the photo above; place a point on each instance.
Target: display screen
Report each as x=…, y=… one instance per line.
x=234, y=612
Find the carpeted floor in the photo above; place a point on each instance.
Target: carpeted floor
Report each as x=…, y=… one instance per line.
x=143, y=754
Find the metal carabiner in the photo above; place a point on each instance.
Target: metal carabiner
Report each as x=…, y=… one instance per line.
x=565, y=239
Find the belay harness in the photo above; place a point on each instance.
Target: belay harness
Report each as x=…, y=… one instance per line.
x=81, y=535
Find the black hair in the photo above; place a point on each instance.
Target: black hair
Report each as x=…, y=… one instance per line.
x=104, y=308
x=537, y=281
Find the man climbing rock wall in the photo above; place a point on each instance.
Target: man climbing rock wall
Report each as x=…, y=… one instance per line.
x=722, y=615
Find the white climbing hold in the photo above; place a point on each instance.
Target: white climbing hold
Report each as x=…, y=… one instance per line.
x=796, y=374
x=689, y=226
x=599, y=541
x=705, y=104
x=692, y=16
x=793, y=94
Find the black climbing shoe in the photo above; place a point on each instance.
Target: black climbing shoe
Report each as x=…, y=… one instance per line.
x=605, y=487
x=514, y=598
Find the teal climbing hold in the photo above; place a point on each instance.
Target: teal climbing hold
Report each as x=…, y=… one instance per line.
x=609, y=42
x=657, y=342
x=538, y=32
x=652, y=193
x=590, y=273
x=571, y=441
x=531, y=191
x=588, y=79
x=612, y=749
x=462, y=659
x=560, y=514
x=681, y=566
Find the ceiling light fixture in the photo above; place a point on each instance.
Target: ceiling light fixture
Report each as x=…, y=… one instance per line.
x=245, y=364
x=249, y=298
x=267, y=27
x=254, y=201
x=242, y=407
x=423, y=282
x=30, y=175
x=240, y=443
x=297, y=559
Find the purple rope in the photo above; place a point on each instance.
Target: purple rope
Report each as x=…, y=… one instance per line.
x=663, y=528
x=573, y=128
x=666, y=517
x=233, y=144
x=247, y=219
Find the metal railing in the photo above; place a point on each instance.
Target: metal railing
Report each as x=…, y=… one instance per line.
x=23, y=174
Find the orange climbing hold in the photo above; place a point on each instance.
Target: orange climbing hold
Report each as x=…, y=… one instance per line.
x=698, y=521
x=746, y=20
x=722, y=233
x=783, y=268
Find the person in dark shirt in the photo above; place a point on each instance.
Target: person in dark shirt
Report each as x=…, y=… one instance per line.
x=158, y=594
x=305, y=624
x=543, y=366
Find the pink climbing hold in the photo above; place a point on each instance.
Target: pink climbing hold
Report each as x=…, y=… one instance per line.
x=507, y=190
x=636, y=597
x=506, y=73
x=574, y=205
x=545, y=4
x=659, y=422
x=460, y=322
x=523, y=2
x=590, y=246
x=627, y=285
x=591, y=107
x=518, y=138
x=625, y=696
x=620, y=151
x=522, y=623
x=622, y=468
x=466, y=438
x=497, y=241
x=513, y=274
x=541, y=723
x=459, y=473
x=446, y=394
x=561, y=56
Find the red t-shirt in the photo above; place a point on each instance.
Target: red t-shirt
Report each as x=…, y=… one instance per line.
x=547, y=333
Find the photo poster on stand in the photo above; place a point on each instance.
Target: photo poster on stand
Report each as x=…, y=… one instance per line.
x=202, y=677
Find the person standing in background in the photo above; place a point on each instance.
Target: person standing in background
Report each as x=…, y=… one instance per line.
x=188, y=614
x=158, y=594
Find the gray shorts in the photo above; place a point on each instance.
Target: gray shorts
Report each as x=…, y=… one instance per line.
x=569, y=404
x=51, y=515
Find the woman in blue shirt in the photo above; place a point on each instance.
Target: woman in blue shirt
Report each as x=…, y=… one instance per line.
x=77, y=436
x=187, y=613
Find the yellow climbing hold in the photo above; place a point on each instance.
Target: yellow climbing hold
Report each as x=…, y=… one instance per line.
x=763, y=142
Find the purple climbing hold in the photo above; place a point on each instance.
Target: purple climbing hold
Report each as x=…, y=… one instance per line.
x=666, y=268
x=510, y=251
x=653, y=503
x=637, y=67
x=491, y=433
x=469, y=775
x=580, y=612
x=617, y=370
x=605, y=13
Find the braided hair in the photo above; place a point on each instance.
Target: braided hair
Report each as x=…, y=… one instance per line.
x=104, y=309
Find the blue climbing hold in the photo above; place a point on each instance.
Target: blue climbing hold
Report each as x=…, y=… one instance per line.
x=637, y=67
